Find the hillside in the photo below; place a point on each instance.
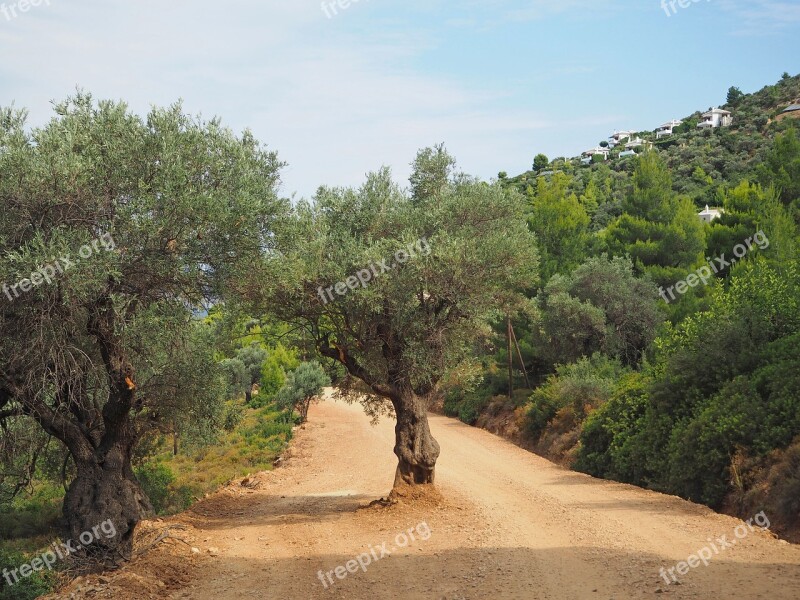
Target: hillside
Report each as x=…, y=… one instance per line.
x=660, y=349
x=701, y=161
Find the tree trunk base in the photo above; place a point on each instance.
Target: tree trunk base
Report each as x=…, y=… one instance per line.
x=414, y=494
x=413, y=474
x=101, y=511
x=415, y=447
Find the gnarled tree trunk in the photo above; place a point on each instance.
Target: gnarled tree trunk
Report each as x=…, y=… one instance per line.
x=105, y=493
x=415, y=447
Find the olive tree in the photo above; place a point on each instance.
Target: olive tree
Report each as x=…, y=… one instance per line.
x=236, y=376
x=397, y=285
x=115, y=231
x=253, y=358
x=302, y=385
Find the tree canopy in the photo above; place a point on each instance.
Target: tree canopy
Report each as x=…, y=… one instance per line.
x=422, y=275
x=151, y=219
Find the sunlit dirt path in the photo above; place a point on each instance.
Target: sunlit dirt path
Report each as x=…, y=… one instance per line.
x=509, y=525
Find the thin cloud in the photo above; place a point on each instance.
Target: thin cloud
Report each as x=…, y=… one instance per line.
x=762, y=17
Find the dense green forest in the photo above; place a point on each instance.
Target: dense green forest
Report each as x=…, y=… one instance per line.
x=587, y=311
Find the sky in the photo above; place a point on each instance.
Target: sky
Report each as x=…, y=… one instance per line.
x=339, y=92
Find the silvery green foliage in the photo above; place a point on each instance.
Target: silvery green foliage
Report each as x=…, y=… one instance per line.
x=168, y=214
x=302, y=385
x=408, y=327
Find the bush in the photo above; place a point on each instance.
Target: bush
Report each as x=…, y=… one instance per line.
x=452, y=400
x=273, y=374
x=544, y=407
x=34, y=514
x=155, y=479
x=234, y=413
x=581, y=387
x=268, y=426
x=473, y=404
x=608, y=441
x=701, y=450
x=302, y=385
x=28, y=588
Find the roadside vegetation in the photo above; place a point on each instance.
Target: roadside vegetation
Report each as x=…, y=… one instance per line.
x=695, y=395
x=208, y=314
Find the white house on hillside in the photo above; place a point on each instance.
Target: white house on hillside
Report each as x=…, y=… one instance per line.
x=710, y=214
x=618, y=136
x=636, y=143
x=589, y=155
x=716, y=118
x=667, y=128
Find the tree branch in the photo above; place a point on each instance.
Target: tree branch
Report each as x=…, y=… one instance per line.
x=11, y=412
x=341, y=355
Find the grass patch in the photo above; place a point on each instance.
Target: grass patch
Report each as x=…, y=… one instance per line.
x=174, y=483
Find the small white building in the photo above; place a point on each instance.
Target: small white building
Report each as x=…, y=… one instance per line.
x=716, y=117
x=710, y=214
x=618, y=136
x=636, y=143
x=667, y=128
x=588, y=156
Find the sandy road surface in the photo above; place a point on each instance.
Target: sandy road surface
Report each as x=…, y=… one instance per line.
x=510, y=525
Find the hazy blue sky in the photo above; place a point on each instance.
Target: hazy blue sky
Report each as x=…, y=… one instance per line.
x=496, y=80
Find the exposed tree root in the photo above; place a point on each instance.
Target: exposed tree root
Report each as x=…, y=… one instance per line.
x=163, y=535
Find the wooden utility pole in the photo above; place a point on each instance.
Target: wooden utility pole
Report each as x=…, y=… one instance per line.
x=509, y=333
x=519, y=354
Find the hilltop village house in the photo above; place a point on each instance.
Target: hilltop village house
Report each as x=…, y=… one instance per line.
x=618, y=136
x=716, y=117
x=636, y=143
x=588, y=156
x=667, y=128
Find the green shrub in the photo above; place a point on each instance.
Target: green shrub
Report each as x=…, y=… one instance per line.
x=473, y=404
x=302, y=385
x=452, y=400
x=28, y=588
x=544, y=406
x=155, y=479
x=701, y=450
x=581, y=386
x=608, y=445
x=32, y=514
x=234, y=413
x=279, y=361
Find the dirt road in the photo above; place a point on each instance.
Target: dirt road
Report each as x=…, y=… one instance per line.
x=510, y=526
